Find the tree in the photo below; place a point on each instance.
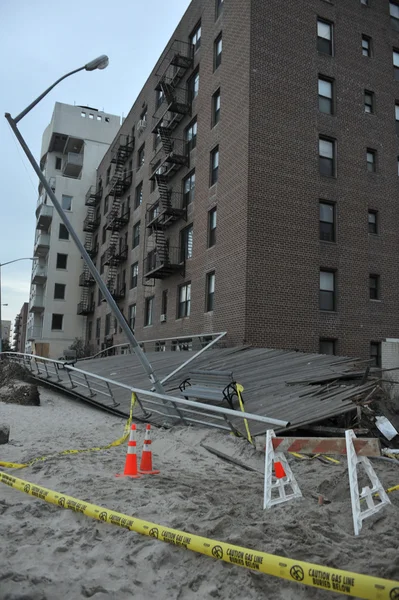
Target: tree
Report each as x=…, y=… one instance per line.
x=81, y=348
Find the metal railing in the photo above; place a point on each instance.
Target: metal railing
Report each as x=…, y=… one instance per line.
x=163, y=409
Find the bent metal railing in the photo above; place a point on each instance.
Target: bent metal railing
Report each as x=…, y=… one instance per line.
x=152, y=406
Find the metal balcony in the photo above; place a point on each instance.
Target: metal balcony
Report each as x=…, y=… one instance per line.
x=44, y=214
x=73, y=165
x=86, y=279
x=93, y=196
x=163, y=262
x=42, y=244
x=118, y=294
x=167, y=163
x=178, y=58
x=116, y=223
x=175, y=106
x=122, y=148
x=34, y=333
x=85, y=308
x=115, y=255
x=91, y=249
x=91, y=223
x=39, y=274
x=37, y=304
x=166, y=211
x=120, y=184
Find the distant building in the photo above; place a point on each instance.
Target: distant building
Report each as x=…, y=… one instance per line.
x=72, y=147
x=5, y=330
x=20, y=324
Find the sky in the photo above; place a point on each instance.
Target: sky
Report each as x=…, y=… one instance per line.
x=40, y=41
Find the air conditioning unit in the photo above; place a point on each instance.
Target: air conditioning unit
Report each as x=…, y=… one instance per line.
x=163, y=318
x=141, y=125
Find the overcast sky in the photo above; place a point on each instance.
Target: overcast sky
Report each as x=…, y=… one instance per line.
x=40, y=40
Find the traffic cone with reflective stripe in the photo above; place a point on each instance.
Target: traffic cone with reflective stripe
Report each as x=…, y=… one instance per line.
x=279, y=470
x=146, y=457
x=131, y=457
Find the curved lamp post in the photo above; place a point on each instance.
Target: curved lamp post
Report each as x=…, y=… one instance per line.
x=98, y=63
x=3, y=265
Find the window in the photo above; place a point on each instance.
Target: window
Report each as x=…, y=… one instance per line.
x=373, y=222
x=327, y=222
x=324, y=37
x=108, y=177
x=210, y=292
x=66, y=202
x=99, y=297
x=327, y=157
x=325, y=95
x=396, y=64
x=148, y=310
x=89, y=330
x=132, y=316
x=164, y=305
x=134, y=275
x=215, y=108
x=394, y=13
x=193, y=86
x=217, y=52
x=374, y=287
x=219, y=8
x=104, y=234
x=214, y=166
x=186, y=243
x=188, y=188
x=138, y=198
x=190, y=136
x=140, y=156
x=136, y=235
x=107, y=324
x=58, y=163
x=397, y=117
x=366, y=45
x=212, y=227
x=63, y=233
x=195, y=37
x=98, y=327
x=327, y=290
x=184, y=306
x=327, y=346
x=106, y=204
x=62, y=260
x=56, y=322
x=375, y=354
x=371, y=160
x=159, y=98
x=368, y=101
x=59, y=291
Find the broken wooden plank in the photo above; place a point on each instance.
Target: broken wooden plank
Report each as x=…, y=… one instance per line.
x=228, y=458
x=363, y=447
x=335, y=430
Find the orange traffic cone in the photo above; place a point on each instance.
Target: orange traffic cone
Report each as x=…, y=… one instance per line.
x=131, y=457
x=279, y=470
x=146, y=457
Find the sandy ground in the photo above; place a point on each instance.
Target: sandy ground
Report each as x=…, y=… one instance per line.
x=48, y=554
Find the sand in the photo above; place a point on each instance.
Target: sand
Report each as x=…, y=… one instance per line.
x=48, y=554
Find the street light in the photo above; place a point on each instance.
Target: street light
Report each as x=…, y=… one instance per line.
x=99, y=63
x=3, y=265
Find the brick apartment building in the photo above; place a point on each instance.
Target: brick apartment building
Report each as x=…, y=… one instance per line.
x=253, y=186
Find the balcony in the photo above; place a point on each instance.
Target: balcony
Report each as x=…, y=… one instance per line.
x=73, y=165
x=165, y=211
x=118, y=222
x=91, y=249
x=115, y=255
x=39, y=274
x=121, y=149
x=91, y=223
x=163, y=262
x=121, y=184
x=118, y=293
x=86, y=279
x=44, y=214
x=37, y=304
x=168, y=162
x=42, y=244
x=178, y=58
x=34, y=333
x=93, y=196
x=175, y=106
x=85, y=308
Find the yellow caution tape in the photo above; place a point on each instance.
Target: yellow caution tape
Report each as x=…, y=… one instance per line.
x=240, y=389
x=10, y=465
x=392, y=489
x=318, y=576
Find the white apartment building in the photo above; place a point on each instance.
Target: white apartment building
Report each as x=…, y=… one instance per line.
x=73, y=145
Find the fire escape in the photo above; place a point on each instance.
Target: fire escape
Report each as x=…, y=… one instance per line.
x=90, y=226
x=161, y=259
x=119, y=215
x=86, y=281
